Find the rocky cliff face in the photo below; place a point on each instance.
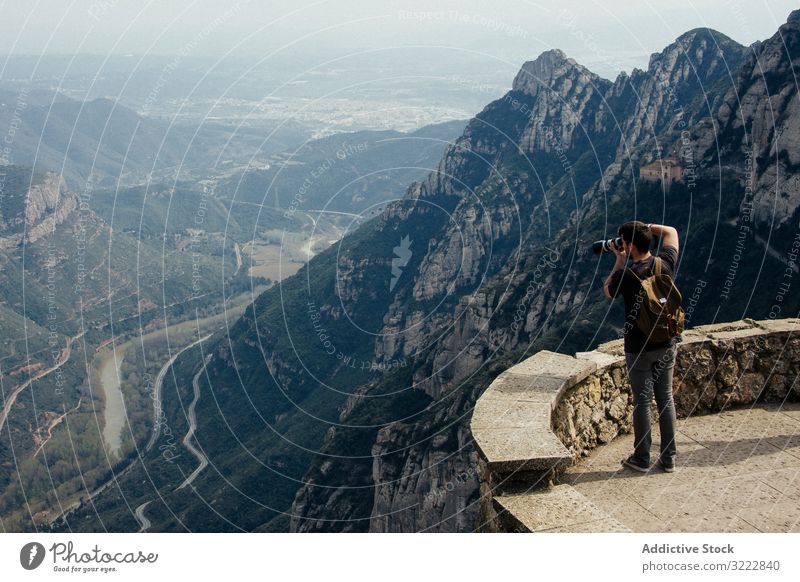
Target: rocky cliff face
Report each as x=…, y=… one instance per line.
x=421, y=468
x=567, y=104
x=46, y=203
x=680, y=87
x=759, y=118
x=49, y=204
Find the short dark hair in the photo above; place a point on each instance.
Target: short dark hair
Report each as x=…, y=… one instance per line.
x=636, y=233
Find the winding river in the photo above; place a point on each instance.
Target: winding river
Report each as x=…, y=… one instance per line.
x=114, y=402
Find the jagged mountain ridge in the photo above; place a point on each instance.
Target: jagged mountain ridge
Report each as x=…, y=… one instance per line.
x=683, y=85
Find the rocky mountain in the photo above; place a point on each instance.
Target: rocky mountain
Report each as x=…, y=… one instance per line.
x=48, y=203
x=421, y=470
x=340, y=400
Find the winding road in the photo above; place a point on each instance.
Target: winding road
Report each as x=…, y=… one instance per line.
x=141, y=518
x=162, y=373
x=144, y=523
x=187, y=440
x=63, y=359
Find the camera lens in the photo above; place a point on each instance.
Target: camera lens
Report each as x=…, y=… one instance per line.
x=606, y=246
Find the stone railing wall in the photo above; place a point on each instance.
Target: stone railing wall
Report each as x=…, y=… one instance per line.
x=546, y=412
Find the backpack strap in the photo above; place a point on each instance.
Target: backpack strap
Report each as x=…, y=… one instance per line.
x=634, y=275
x=656, y=269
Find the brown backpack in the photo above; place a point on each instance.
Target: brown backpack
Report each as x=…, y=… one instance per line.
x=661, y=316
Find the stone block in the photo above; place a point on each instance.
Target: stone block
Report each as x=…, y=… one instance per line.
x=728, y=370
x=791, y=324
x=594, y=391
x=507, y=450
x=555, y=365
x=750, y=387
x=782, y=364
x=618, y=409
x=583, y=416
x=722, y=327
x=777, y=388
x=619, y=375
x=615, y=347
x=509, y=413
x=607, y=431
x=536, y=388
x=691, y=336
x=695, y=363
x=737, y=334
x=559, y=507
x=691, y=399
x=600, y=359
x=793, y=349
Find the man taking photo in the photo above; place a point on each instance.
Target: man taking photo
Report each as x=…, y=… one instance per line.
x=650, y=363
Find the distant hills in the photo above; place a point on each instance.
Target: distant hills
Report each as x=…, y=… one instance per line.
x=356, y=172
x=113, y=144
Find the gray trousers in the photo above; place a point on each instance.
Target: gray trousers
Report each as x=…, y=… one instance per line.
x=650, y=374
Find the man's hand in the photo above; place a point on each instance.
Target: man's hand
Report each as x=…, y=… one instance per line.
x=668, y=235
x=622, y=258
x=621, y=254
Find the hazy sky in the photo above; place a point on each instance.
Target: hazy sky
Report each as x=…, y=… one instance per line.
x=606, y=36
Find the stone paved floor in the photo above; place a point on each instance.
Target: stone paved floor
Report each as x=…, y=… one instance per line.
x=737, y=471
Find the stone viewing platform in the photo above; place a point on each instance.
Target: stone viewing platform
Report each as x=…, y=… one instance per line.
x=551, y=432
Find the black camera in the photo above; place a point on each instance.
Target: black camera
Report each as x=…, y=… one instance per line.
x=606, y=246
